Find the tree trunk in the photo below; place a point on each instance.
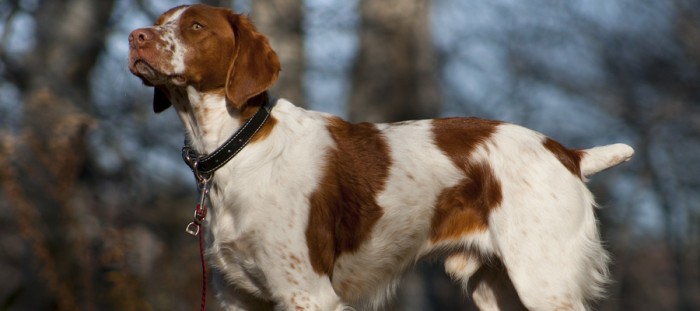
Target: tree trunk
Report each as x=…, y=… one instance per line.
x=280, y=21
x=395, y=76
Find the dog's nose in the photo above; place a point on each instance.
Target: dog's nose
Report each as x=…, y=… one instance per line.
x=140, y=36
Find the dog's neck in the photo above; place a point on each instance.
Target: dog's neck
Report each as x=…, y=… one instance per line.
x=207, y=118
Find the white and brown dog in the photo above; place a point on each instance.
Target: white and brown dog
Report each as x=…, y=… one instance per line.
x=316, y=213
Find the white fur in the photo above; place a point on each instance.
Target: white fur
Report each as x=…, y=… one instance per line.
x=169, y=33
x=544, y=231
x=373, y=271
x=600, y=158
x=543, y=234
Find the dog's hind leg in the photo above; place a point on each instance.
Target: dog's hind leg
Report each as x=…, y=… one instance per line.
x=547, y=238
x=486, y=283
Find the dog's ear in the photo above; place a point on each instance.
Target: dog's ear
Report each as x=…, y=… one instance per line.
x=255, y=66
x=160, y=101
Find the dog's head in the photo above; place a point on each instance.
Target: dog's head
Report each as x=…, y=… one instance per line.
x=210, y=49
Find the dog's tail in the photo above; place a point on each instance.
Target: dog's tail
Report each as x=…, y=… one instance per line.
x=601, y=158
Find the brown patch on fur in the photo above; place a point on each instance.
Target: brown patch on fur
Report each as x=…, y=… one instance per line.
x=465, y=207
x=210, y=48
x=344, y=207
x=225, y=52
x=255, y=66
x=457, y=137
x=571, y=159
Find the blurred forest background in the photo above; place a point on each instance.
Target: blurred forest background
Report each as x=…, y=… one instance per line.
x=94, y=197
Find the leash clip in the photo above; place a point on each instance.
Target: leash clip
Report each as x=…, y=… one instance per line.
x=192, y=229
x=200, y=211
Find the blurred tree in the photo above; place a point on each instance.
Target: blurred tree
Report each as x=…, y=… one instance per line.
x=221, y=3
x=281, y=22
x=395, y=75
x=394, y=78
x=53, y=80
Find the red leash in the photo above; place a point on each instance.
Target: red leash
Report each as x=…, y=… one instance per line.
x=196, y=228
x=203, y=210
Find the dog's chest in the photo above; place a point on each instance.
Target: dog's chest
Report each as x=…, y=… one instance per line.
x=234, y=259
x=260, y=210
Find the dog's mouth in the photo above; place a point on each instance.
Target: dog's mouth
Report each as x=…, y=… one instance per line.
x=152, y=76
x=144, y=70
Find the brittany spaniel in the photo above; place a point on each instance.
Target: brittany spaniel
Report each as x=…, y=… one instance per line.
x=316, y=213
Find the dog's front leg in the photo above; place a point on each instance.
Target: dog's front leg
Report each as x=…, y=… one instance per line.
x=236, y=298
x=293, y=283
x=274, y=280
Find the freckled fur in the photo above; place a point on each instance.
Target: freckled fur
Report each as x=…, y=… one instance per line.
x=320, y=214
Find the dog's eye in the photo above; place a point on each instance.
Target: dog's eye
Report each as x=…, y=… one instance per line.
x=197, y=26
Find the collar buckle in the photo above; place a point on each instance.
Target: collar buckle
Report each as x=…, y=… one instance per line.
x=192, y=159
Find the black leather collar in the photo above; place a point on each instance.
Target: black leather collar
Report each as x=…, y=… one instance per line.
x=204, y=166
